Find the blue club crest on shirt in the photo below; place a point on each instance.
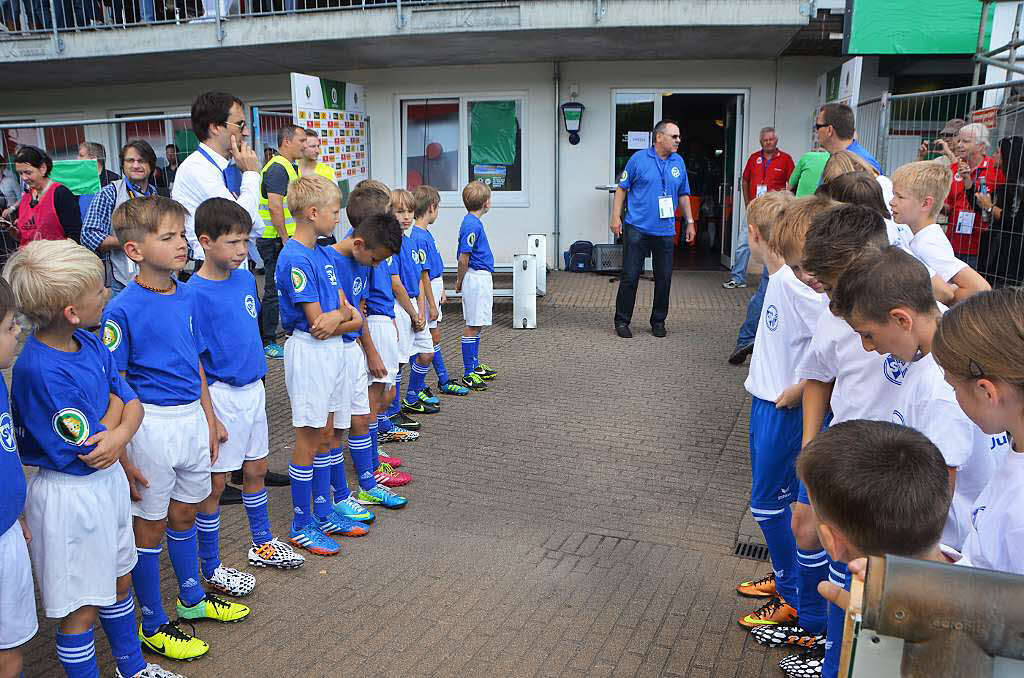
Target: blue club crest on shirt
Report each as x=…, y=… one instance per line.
x=250, y=305
x=330, y=274
x=894, y=369
x=7, y=440
x=771, y=318
x=357, y=286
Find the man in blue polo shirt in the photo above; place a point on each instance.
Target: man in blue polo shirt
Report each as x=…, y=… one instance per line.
x=835, y=127
x=656, y=182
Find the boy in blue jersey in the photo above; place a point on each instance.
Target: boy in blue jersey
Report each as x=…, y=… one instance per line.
x=476, y=264
x=409, y=318
x=371, y=241
x=428, y=203
x=151, y=331
x=234, y=361
x=18, y=621
x=315, y=311
x=74, y=414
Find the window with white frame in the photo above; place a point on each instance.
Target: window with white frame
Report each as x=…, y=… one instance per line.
x=450, y=141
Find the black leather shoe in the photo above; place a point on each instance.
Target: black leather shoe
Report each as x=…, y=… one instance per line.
x=232, y=495
x=623, y=331
x=272, y=479
x=658, y=330
x=741, y=353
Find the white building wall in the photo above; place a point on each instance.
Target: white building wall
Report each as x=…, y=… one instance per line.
x=779, y=93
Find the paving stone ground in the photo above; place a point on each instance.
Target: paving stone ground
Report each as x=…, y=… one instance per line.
x=577, y=519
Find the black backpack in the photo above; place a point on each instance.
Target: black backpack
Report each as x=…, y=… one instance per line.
x=581, y=255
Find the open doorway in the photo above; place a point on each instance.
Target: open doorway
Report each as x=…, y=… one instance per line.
x=710, y=124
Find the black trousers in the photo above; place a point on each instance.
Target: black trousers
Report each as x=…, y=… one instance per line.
x=635, y=248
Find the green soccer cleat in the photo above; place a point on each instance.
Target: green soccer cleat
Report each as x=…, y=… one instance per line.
x=214, y=608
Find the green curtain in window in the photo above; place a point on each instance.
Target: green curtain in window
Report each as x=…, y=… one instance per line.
x=493, y=132
x=186, y=142
x=82, y=177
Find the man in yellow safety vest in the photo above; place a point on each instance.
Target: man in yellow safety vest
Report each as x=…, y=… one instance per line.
x=310, y=164
x=278, y=225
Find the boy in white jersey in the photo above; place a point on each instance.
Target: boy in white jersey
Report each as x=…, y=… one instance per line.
x=886, y=297
x=235, y=364
x=789, y=312
x=980, y=345
x=919, y=191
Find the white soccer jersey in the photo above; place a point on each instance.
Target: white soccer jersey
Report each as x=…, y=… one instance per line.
x=788, y=316
x=931, y=246
x=987, y=456
x=996, y=539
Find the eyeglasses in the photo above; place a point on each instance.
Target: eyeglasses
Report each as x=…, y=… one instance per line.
x=671, y=136
x=819, y=125
x=974, y=369
x=240, y=125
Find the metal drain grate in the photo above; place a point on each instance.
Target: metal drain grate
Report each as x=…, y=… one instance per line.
x=752, y=551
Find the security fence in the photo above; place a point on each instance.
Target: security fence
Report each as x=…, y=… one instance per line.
x=984, y=213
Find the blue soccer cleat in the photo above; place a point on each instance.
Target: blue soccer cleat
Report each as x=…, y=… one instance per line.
x=314, y=540
x=381, y=496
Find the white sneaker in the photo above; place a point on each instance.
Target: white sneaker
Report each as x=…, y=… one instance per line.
x=231, y=582
x=731, y=284
x=275, y=553
x=151, y=671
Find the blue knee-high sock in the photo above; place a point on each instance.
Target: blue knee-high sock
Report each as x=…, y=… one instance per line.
x=119, y=624
x=322, y=472
x=778, y=535
x=813, y=568
x=302, y=494
x=476, y=351
x=374, y=445
x=184, y=554
x=417, y=379
x=339, y=483
x=468, y=359
x=208, y=537
x=396, y=404
x=259, y=516
x=439, y=368
x=384, y=423
x=360, y=449
x=146, y=582
x=77, y=654
x=839, y=575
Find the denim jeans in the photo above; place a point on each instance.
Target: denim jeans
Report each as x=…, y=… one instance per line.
x=749, y=327
x=741, y=257
x=269, y=249
x=635, y=247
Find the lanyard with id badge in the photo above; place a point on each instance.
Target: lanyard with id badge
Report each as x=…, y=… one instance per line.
x=965, y=223
x=666, y=210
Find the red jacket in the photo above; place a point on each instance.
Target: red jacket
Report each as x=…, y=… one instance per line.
x=39, y=222
x=957, y=202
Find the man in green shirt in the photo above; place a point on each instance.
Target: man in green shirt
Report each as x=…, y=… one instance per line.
x=806, y=175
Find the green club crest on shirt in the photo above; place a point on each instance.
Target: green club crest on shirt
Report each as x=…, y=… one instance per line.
x=298, y=279
x=111, y=335
x=71, y=425
x=471, y=239
x=625, y=175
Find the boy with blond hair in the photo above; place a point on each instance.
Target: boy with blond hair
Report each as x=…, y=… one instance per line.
x=791, y=309
x=316, y=313
x=74, y=414
x=150, y=329
x=428, y=204
x=476, y=266
x=919, y=191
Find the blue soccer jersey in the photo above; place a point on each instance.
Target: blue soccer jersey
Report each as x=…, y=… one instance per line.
x=473, y=239
x=12, y=476
x=156, y=343
x=304, y=275
x=408, y=270
x=59, y=398
x=228, y=315
x=434, y=264
x=354, y=279
x=380, y=298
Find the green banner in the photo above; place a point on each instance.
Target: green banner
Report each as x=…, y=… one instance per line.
x=915, y=27
x=492, y=134
x=334, y=94
x=82, y=177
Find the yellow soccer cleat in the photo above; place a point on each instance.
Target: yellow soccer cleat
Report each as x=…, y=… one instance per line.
x=172, y=642
x=214, y=608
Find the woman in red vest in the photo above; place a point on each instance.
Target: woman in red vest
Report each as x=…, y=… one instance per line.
x=48, y=210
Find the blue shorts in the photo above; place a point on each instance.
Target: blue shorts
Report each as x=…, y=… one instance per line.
x=775, y=437
x=802, y=494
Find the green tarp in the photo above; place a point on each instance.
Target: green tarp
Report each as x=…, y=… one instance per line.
x=916, y=26
x=80, y=176
x=493, y=132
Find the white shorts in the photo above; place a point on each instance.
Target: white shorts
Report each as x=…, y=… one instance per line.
x=357, y=400
x=315, y=377
x=82, y=538
x=422, y=342
x=436, y=286
x=18, y=621
x=243, y=411
x=172, y=451
x=477, y=298
x=405, y=332
x=385, y=340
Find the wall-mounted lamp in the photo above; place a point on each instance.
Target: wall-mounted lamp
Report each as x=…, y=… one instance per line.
x=572, y=116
